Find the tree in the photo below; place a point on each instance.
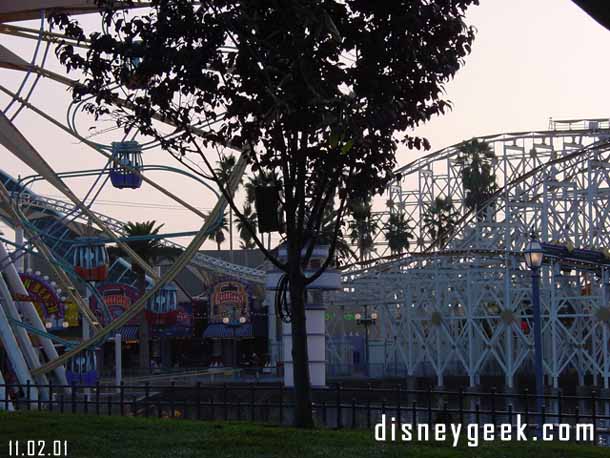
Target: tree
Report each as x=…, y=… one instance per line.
x=477, y=160
x=319, y=92
x=362, y=227
x=245, y=226
x=219, y=234
x=439, y=220
x=223, y=171
x=151, y=250
x=398, y=232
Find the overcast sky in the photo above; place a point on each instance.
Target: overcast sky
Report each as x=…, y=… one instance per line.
x=531, y=60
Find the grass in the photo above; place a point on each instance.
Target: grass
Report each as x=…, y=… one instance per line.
x=126, y=437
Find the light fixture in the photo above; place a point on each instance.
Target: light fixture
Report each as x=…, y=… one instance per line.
x=374, y=316
x=48, y=325
x=358, y=316
x=533, y=254
x=242, y=319
x=225, y=320
x=65, y=324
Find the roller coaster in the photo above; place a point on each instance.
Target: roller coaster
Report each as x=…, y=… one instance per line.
x=459, y=305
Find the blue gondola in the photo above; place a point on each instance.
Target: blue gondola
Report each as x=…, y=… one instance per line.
x=162, y=307
x=126, y=170
x=90, y=259
x=82, y=369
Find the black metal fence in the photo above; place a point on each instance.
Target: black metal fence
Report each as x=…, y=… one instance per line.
x=338, y=406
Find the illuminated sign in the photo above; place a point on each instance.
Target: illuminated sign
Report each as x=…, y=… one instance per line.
x=229, y=298
x=42, y=294
x=118, y=298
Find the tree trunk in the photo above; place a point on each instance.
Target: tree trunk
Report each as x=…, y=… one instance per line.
x=143, y=334
x=302, y=386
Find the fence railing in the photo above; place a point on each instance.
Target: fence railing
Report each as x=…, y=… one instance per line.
x=338, y=406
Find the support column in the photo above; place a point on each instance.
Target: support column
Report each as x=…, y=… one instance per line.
x=20, y=255
x=118, y=360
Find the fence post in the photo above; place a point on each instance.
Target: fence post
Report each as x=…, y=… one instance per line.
x=238, y=407
x=28, y=391
x=398, y=408
x=252, y=402
x=212, y=409
x=50, y=395
x=324, y=413
x=493, y=407
x=61, y=403
x=559, y=407
x=109, y=406
x=594, y=415
x=134, y=406
x=338, y=407
x=429, y=406
x=122, y=397
x=224, y=401
x=198, y=408
x=97, y=398
x=172, y=405
x=146, y=397
x=281, y=405
x=353, y=413
x=414, y=412
x=73, y=397
x=461, y=404
x=527, y=407
x=510, y=414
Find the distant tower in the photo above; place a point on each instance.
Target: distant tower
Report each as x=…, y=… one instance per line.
x=330, y=280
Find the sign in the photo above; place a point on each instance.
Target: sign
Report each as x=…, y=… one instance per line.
x=229, y=298
x=118, y=297
x=44, y=296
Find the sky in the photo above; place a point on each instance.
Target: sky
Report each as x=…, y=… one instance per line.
x=531, y=60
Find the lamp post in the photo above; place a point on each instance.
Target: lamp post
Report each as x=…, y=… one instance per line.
x=366, y=320
x=234, y=324
x=534, y=255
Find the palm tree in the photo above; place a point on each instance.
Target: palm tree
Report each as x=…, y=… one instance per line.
x=398, y=233
x=246, y=235
x=219, y=234
x=362, y=227
x=151, y=250
x=439, y=220
x=223, y=172
x=477, y=160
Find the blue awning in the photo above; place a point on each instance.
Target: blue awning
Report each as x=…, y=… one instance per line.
x=220, y=331
x=128, y=333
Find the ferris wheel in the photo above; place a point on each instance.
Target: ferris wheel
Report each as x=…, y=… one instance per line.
x=67, y=232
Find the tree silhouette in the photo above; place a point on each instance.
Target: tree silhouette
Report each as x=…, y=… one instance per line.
x=398, y=232
x=439, y=220
x=477, y=160
x=322, y=92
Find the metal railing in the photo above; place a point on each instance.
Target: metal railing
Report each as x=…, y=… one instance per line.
x=338, y=406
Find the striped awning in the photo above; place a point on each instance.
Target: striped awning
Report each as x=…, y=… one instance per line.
x=129, y=333
x=220, y=331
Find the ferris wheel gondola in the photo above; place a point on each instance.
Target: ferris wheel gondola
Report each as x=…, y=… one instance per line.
x=90, y=259
x=126, y=165
x=162, y=307
x=82, y=369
